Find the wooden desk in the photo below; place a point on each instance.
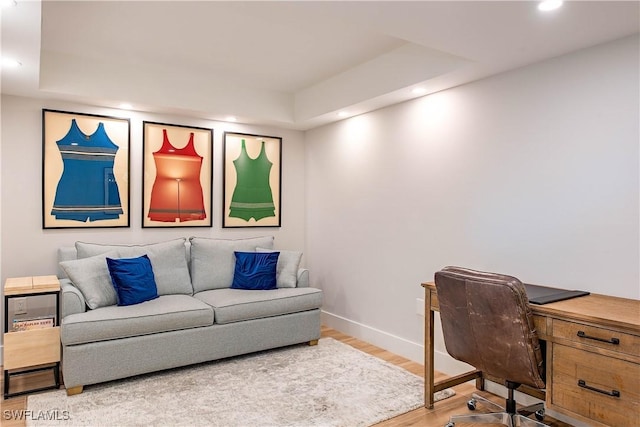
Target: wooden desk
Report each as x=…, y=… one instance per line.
x=592, y=358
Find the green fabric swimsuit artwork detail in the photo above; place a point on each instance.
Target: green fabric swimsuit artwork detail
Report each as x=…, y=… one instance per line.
x=252, y=197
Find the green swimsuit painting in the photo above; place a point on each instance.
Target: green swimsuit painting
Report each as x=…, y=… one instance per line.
x=252, y=196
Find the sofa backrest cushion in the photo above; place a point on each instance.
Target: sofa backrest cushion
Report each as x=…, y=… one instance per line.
x=168, y=260
x=213, y=262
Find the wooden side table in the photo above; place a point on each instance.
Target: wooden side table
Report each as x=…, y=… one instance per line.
x=31, y=343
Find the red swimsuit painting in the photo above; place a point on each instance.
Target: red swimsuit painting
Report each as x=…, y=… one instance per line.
x=177, y=193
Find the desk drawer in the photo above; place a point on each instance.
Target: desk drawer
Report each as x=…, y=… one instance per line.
x=592, y=370
x=597, y=337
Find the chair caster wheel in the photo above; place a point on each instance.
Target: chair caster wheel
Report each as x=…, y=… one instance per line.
x=471, y=404
x=450, y=424
x=539, y=415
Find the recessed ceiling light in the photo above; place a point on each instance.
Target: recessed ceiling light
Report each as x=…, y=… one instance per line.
x=548, y=5
x=231, y=119
x=419, y=91
x=126, y=106
x=10, y=63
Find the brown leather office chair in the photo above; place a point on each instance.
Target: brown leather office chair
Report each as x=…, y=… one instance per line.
x=487, y=323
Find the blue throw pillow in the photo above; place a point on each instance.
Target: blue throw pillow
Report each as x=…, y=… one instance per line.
x=255, y=270
x=133, y=279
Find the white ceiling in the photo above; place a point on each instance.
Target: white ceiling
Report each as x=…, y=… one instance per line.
x=293, y=64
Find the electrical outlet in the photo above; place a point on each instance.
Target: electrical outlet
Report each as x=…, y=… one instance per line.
x=21, y=305
x=420, y=307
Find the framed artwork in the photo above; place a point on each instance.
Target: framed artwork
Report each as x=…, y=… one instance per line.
x=177, y=174
x=252, y=180
x=85, y=170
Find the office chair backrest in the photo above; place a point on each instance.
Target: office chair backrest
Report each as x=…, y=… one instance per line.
x=487, y=323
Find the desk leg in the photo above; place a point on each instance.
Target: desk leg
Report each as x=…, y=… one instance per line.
x=428, y=351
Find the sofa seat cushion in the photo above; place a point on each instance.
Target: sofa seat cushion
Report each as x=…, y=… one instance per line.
x=163, y=314
x=235, y=305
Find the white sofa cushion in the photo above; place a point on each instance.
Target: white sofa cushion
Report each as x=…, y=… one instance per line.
x=287, y=269
x=213, y=261
x=163, y=314
x=91, y=276
x=236, y=305
x=168, y=260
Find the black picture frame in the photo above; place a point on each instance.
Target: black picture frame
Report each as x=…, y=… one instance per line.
x=85, y=170
x=252, y=180
x=181, y=195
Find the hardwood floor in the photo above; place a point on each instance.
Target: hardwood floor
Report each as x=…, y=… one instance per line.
x=422, y=417
x=439, y=415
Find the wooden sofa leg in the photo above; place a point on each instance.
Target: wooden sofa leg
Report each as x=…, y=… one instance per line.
x=313, y=342
x=74, y=390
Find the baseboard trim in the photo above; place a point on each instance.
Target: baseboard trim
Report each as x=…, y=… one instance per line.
x=411, y=350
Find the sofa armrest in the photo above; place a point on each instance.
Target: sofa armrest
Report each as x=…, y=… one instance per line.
x=72, y=299
x=303, y=278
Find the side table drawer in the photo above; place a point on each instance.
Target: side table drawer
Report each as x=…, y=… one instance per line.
x=597, y=337
x=31, y=348
x=600, y=378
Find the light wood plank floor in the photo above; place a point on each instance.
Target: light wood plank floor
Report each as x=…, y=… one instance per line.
x=422, y=417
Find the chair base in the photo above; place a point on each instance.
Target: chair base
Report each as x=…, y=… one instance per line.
x=511, y=420
x=493, y=418
x=471, y=404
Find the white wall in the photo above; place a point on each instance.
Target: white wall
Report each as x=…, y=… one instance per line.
x=26, y=249
x=532, y=173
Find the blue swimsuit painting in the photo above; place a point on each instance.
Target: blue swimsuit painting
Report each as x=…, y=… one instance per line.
x=87, y=189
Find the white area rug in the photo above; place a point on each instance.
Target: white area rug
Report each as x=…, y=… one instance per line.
x=331, y=384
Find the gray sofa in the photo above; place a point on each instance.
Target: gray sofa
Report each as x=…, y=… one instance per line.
x=196, y=318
